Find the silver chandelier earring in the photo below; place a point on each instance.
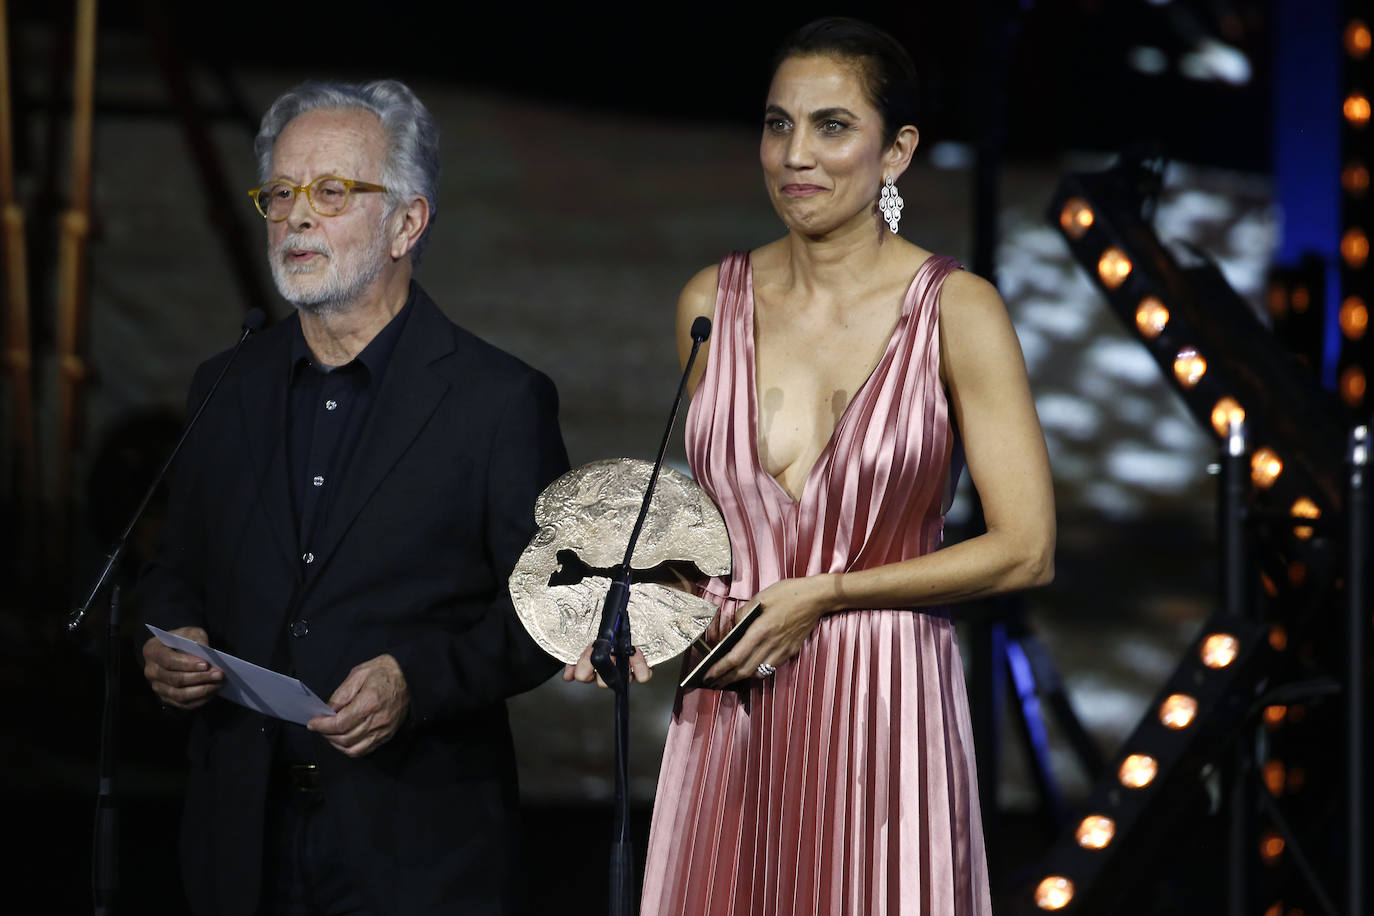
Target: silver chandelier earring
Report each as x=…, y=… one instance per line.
x=890, y=203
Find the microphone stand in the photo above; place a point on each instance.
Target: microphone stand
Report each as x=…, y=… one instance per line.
x=1357, y=510
x=611, y=658
x=105, y=836
x=1235, y=573
x=105, y=833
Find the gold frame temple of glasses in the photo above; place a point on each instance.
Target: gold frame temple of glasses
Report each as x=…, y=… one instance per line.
x=350, y=185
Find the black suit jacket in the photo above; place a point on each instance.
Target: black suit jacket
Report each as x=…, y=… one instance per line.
x=432, y=513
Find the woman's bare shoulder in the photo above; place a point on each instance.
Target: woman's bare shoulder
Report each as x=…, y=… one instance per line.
x=698, y=297
x=967, y=297
x=976, y=333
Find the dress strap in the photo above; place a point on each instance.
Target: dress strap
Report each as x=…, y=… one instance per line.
x=720, y=404
x=930, y=282
x=937, y=269
x=731, y=282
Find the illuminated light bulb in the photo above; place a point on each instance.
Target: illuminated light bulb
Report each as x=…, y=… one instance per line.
x=1151, y=317
x=1095, y=831
x=1265, y=467
x=1356, y=39
x=1356, y=109
x=1304, y=508
x=1138, y=771
x=1275, y=909
x=1189, y=367
x=1076, y=218
x=1054, y=893
x=1355, y=179
x=1278, y=300
x=1274, y=716
x=1355, y=247
x=1302, y=298
x=1274, y=777
x=1113, y=267
x=1271, y=847
x=1353, y=385
x=1354, y=317
x=1219, y=650
x=1278, y=636
x=1297, y=572
x=1224, y=413
x=1178, y=711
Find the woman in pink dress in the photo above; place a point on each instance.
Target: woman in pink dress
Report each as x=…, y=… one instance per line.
x=831, y=768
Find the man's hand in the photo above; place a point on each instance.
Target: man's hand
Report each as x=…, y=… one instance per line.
x=180, y=679
x=369, y=707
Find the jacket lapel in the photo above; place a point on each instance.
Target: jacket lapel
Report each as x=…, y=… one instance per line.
x=409, y=394
x=262, y=400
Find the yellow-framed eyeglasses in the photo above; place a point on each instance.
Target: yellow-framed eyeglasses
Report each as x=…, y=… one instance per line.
x=327, y=195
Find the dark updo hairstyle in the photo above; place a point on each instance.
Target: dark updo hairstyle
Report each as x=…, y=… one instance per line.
x=887, y=72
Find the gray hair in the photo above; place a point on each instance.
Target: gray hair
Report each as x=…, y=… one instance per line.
x=412, y=164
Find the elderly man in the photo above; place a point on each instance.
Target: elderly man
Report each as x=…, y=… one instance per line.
x=348, y=510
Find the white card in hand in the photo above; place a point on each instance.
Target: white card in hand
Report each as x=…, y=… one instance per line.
x=253, y=686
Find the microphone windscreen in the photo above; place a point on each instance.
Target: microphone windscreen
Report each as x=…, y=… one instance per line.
x=701, y=328
x=254, y=319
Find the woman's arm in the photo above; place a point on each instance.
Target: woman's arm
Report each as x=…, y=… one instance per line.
x=1005, y=448
x=985, y=374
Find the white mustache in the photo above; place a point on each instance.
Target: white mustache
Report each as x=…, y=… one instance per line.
x=295, y=243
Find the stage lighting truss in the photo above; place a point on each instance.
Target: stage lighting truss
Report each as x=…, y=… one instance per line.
x=1197, y=713
x=1274, y=425
x=1355, y=359
x=1211, y=347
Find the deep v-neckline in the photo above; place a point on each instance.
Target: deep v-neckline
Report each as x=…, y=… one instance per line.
x=751, y=359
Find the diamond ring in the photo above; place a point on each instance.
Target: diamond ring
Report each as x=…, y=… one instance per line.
x=765, y=670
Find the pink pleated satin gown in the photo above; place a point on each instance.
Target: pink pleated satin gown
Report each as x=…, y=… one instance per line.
x=845, y=783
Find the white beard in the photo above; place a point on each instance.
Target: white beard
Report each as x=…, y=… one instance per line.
x=336, y=288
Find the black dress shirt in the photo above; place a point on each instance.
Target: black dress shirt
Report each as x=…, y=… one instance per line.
x=325, y=417
x=326, y=412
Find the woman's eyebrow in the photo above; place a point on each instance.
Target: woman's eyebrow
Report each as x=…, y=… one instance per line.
x=837, y=111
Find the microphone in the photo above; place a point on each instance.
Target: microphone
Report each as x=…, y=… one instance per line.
x=613, y=635
x=253, y=321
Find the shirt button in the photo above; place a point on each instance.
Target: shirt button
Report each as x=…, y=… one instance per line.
x=308, y=557
x=300, y=627
x=330, y=404
x=318, y=481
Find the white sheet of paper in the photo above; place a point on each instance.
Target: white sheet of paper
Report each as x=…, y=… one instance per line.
x=251, y=685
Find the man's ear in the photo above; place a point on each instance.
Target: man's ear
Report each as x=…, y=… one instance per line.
x=413, y=221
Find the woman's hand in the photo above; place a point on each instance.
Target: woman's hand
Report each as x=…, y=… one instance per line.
x=585, y=673
x=791, y=609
